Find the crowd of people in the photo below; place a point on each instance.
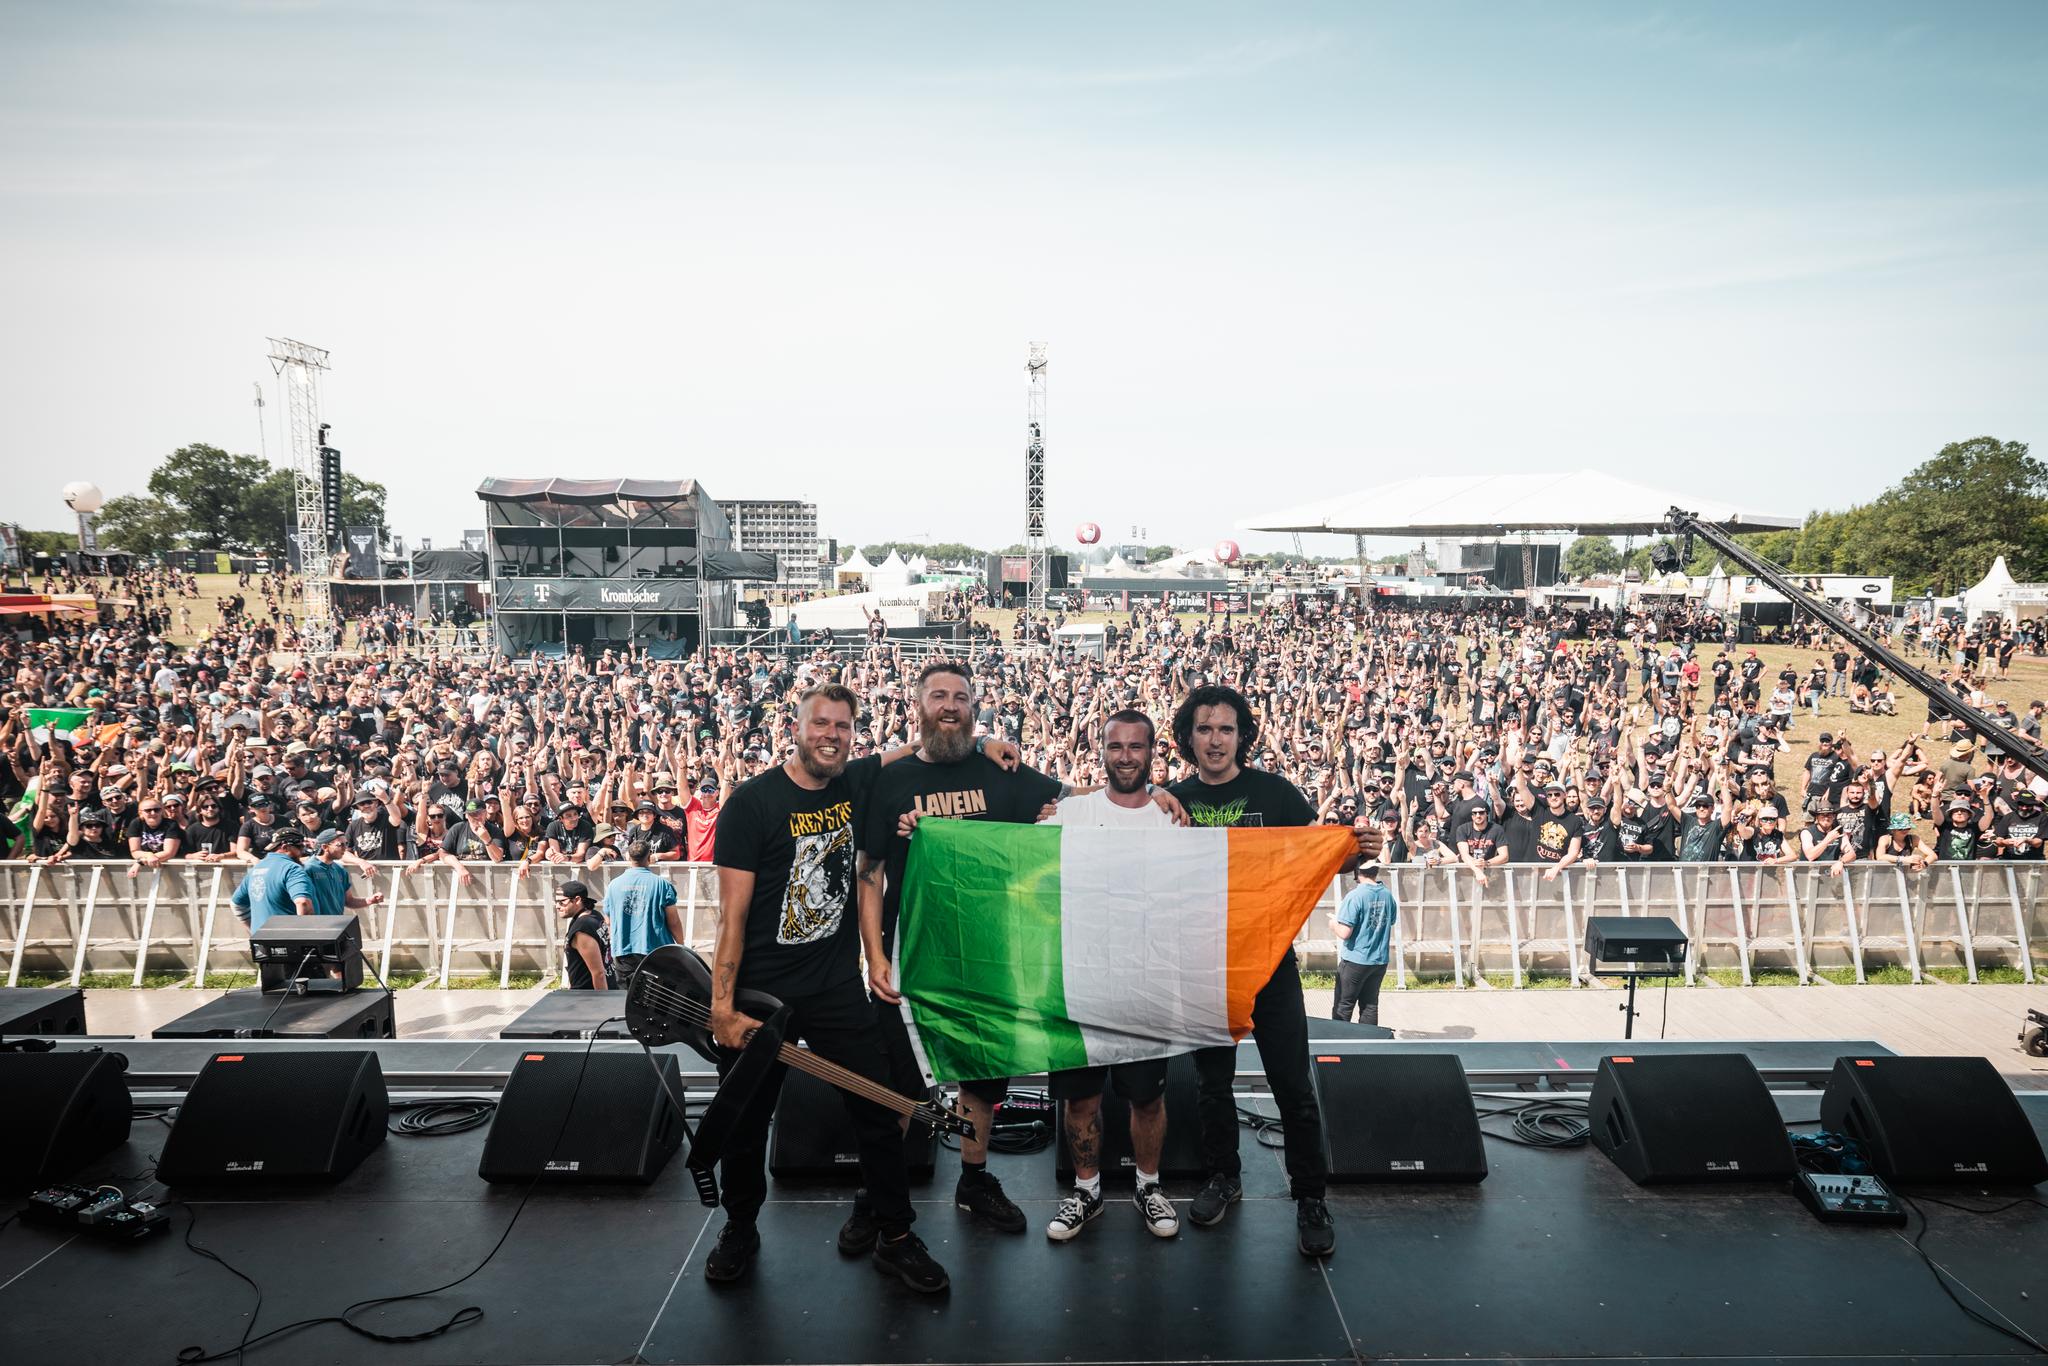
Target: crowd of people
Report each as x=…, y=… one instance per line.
x=1471, y=738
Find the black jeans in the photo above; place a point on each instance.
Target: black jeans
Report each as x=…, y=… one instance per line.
x=1358, y=985
x=627, y=964
x=840, y=1026
x=1280, y=1028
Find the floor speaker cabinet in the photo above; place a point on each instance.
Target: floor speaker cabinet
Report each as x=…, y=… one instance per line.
x=41, y=1010
x=1688, y=1117
x=813, y=1137
x=62, y=1110
x=1181, y=1159
x=284, y=1116
x=622, y=1126
x=1398, y=1117
x=1934, y=1121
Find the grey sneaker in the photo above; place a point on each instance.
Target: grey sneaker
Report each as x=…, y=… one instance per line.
x=1073, y=1215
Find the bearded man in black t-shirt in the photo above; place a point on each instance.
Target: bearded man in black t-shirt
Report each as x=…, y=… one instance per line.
x=1216, y=731
x=788, y=927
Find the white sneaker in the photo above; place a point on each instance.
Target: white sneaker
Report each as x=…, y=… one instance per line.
x=1073, y=1214
x=1158, y=1211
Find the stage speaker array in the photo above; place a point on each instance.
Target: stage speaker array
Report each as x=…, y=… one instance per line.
x=1688, y=1117
x=260, y=1117
x=1399, y=1117
x=61, y=1111
x=622, y=1127
x=1934, y=1120
x=814, y=1139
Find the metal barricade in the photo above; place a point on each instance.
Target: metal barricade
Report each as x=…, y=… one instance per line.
x=71, y=921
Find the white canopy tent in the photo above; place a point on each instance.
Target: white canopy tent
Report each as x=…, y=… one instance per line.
x=1590, y=502
x=858, y=568
x=892, y=572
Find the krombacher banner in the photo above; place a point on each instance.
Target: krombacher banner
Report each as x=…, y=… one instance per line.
x=596, y=595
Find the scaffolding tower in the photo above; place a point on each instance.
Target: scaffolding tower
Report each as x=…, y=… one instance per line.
x=298, y=368
x=1037, y=563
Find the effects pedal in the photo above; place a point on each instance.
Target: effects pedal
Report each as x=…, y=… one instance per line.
x=1846, y=1199
x=102, y=1212
x=55, y=1206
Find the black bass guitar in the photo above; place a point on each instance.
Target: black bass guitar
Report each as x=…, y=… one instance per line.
x=669, y=1001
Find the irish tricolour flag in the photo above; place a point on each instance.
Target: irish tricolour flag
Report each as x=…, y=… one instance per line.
x=1031, y=948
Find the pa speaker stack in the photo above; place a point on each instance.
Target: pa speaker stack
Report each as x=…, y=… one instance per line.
x=814, y=1137
x=1688, y=1117
x=1934, y=1121
x=290, y=1115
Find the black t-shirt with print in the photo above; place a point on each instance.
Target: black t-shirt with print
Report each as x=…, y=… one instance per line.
x=258, y=834
x=201, y=838
x=1253, y=798
x=1957, y=843
x=975, y=789
x=803, y=923
x=1554, y=834
x=1651, y=826
x=151, y=840
x=376, y=840
x=2018, y=826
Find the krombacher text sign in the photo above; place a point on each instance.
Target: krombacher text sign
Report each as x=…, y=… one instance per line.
x=597, y=595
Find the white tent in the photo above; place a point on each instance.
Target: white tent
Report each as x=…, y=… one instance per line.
x=1590, y=502
x=892, y=572
x=1118, y=567
x=919, y=566
x=857, y=568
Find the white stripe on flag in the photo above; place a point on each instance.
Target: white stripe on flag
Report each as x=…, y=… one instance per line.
x=1144, y=941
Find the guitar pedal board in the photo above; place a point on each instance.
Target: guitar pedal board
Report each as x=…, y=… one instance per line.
x=103, y=1212
x=1849, y=1199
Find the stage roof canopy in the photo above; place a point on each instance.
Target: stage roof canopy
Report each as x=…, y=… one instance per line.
x=585, y=490
x=1590, y=502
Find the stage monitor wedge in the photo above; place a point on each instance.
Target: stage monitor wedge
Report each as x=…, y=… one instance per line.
x=814, y=1139
x=62, y=1111
x=622, y=1126
x=1398, y=1117
x=1946, y=1121
x=1688, y=1117
x=293, y=1115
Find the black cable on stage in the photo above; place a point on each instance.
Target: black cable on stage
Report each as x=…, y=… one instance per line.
x=434, y=1118
x=1551, y=1122
x=462, y=1318
x=1942, y=1277
x=1268, y=1131
x=263, y=1030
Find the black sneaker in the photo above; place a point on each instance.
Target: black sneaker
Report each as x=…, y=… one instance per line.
x=857, y=1235
x=734, y=1252
x=982, y=1195
x=907, y=1260
x=1073, y=1215
x=1315, y=1233
x=1213, y=1201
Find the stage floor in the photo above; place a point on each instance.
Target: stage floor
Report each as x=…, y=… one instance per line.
x=1556, y=1254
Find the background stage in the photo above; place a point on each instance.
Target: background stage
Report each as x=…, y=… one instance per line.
x=1556, y=1254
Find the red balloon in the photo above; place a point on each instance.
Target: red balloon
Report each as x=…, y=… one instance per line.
x=1088, y=533
x=1226, y=552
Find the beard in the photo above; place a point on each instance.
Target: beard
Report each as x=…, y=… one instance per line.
x=945, y=742
x=1126, y=783
x=824, y=770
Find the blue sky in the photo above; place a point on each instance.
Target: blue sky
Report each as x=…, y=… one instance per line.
x=791, y=249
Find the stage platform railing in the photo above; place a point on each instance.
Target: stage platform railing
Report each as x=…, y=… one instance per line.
x=77, y=919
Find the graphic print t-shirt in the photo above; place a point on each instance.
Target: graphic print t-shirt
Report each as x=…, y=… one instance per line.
x=975, y=789
x=1253, y=797
x=802, y=924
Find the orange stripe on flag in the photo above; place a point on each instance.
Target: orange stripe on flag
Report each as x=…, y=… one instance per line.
x=1276, y=878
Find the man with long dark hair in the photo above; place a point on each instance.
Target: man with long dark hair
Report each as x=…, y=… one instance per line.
x=1215, y=729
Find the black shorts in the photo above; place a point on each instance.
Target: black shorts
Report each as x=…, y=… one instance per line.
x=1140, y=1083
x=904, y=1074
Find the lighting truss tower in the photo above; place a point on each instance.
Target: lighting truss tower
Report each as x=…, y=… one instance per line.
x=298, y=367
x=1037, y=566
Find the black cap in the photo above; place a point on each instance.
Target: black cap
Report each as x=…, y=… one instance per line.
x=575, y=889
x=288, y=834
x=1824, y=738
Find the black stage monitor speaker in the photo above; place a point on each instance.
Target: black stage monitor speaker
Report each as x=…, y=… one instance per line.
x=1399, y=1117
x=1926, y=1120
x=322, y=953
x=623, y=1126
x=1697, y=1117
x=294, y=1115
x=62, y=1111
x=813, y=1137
x=1182, y=1158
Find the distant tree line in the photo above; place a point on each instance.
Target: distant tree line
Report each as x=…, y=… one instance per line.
x=202, y=498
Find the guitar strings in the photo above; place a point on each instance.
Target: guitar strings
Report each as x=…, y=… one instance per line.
x=696, y=1013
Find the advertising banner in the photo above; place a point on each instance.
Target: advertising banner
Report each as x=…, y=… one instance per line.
x=597, y=595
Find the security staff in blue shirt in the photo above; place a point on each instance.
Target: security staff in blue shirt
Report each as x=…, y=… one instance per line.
x=327, y=876
x=1364, y=925
x=641, y=907
x=277, y=885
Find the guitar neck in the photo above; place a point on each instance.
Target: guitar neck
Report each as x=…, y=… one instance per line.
x=804, y=1060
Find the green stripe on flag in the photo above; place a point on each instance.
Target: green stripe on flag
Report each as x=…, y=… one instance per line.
x=59, y=719
x=978, y=950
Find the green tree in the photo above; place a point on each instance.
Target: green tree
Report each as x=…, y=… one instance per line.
x=48, y=542
x=271, y=507
x=1590, y=555
x=1155, y=553
x=209, y=488
x=1944, y=523
x=139, y=525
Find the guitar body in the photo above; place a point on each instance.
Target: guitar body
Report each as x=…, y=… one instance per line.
x=673, y=975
